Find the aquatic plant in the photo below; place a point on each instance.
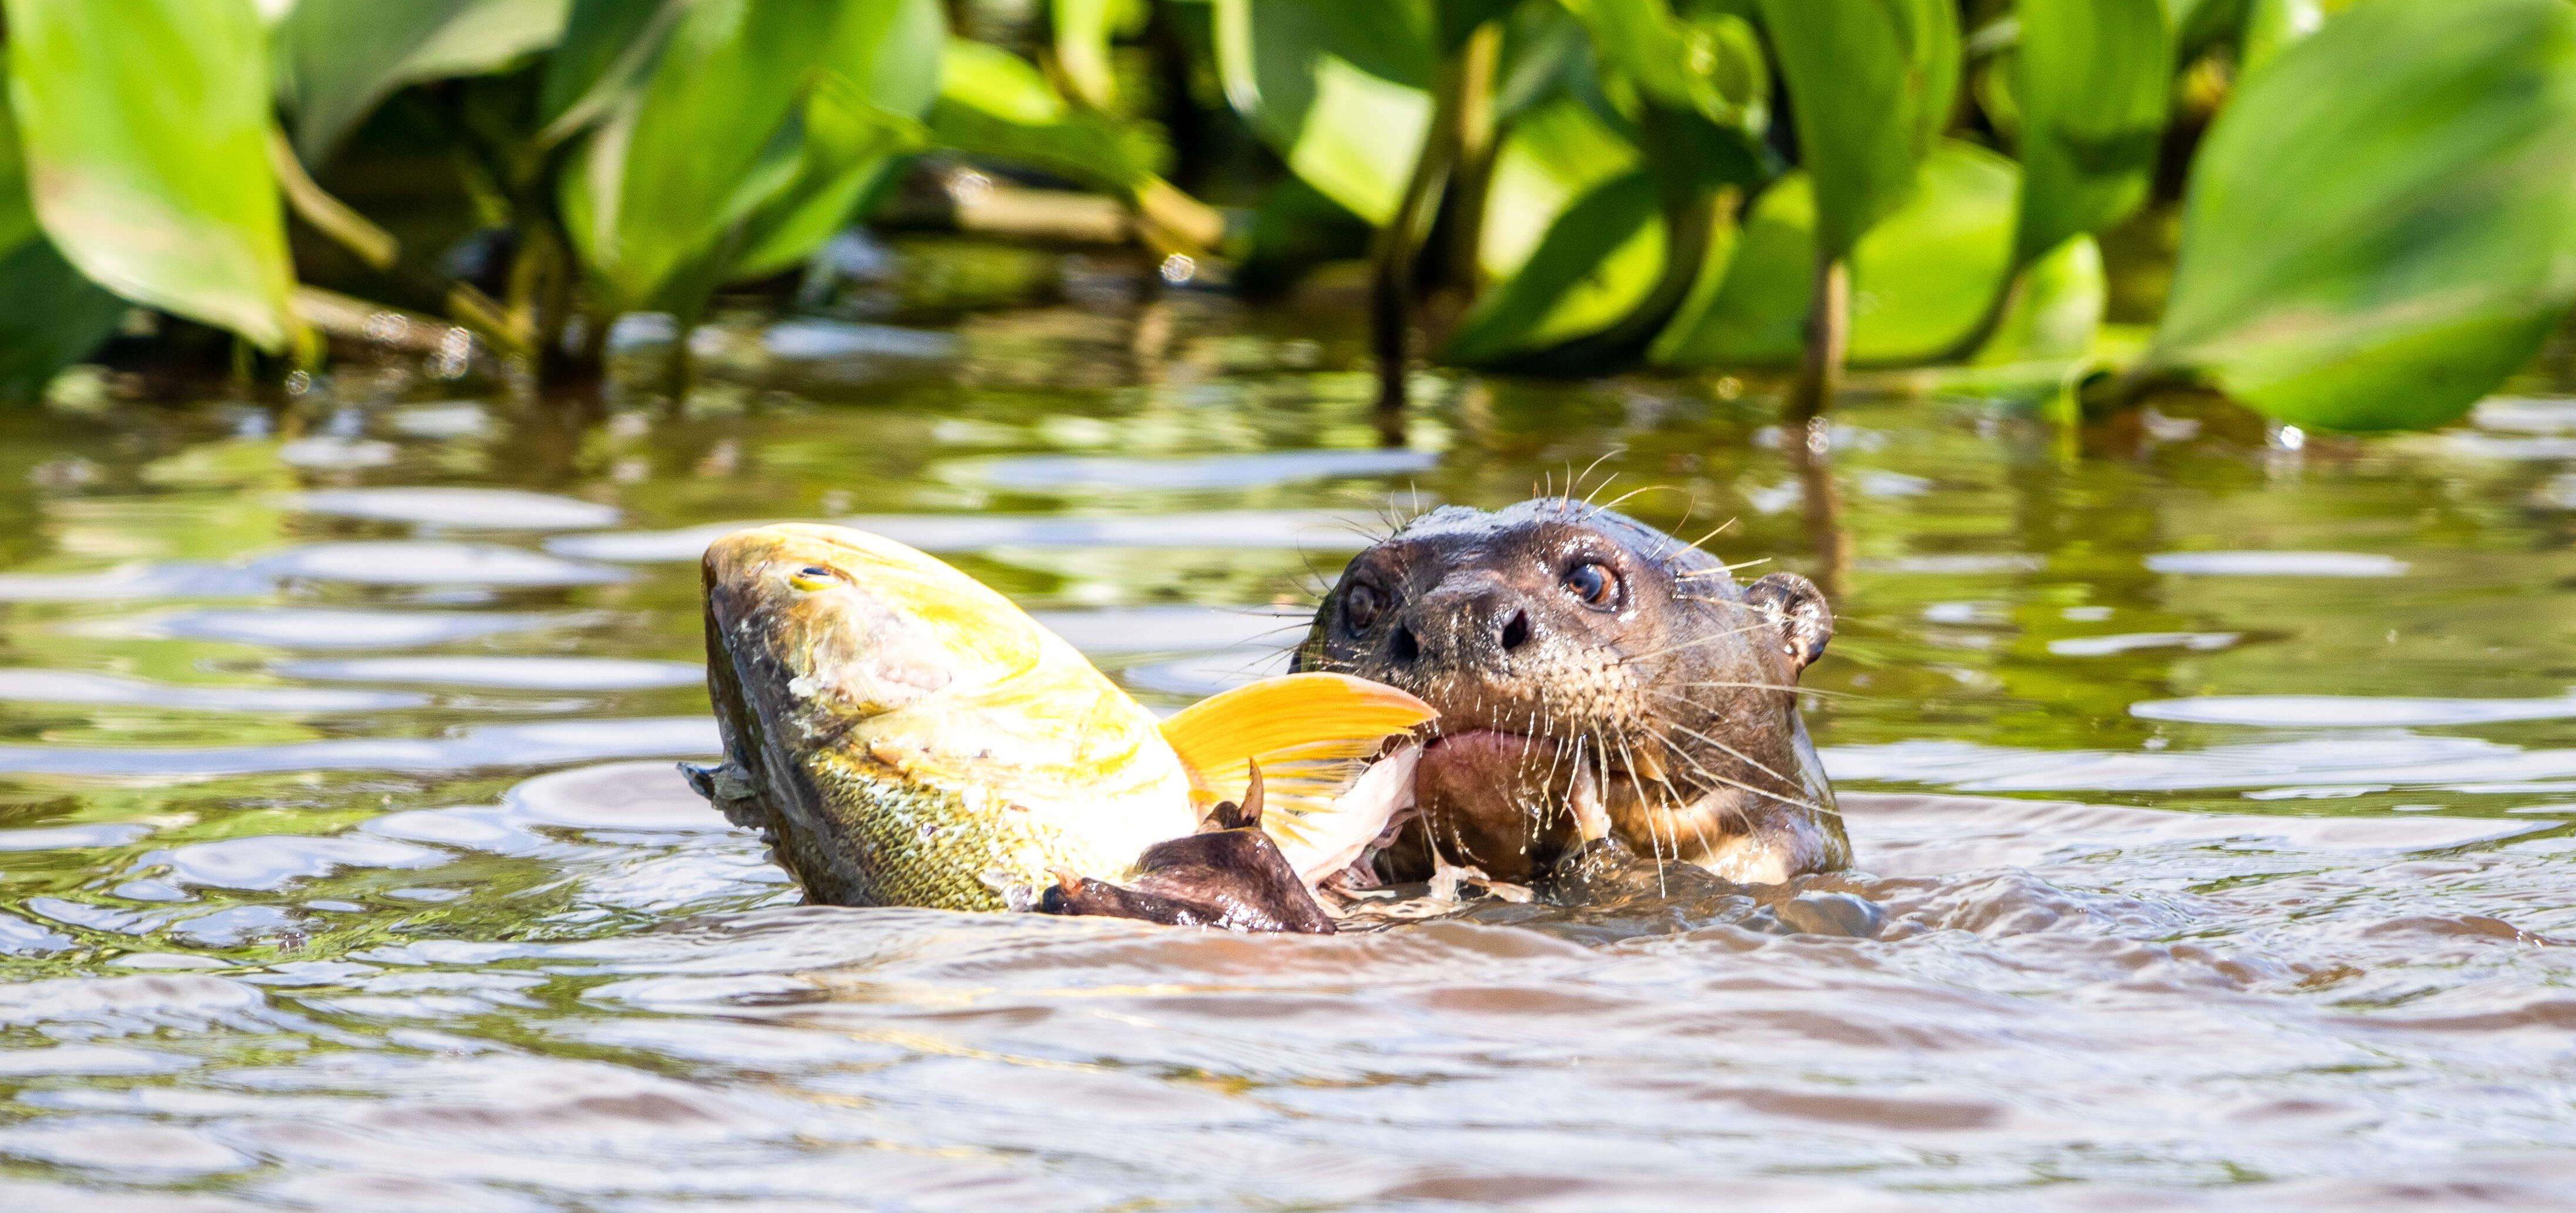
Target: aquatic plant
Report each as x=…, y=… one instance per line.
x=2376, y=212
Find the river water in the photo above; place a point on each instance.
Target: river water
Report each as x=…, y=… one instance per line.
x=2218, y=787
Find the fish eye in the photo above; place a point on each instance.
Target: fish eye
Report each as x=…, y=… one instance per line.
x=1594, y=583
x=813, y=577
x=1360, y=607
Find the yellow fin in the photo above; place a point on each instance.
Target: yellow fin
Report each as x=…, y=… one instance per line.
x=1316, y=715
x=1313, y=735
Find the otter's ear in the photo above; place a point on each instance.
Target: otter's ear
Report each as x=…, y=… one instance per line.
x=1798, y=609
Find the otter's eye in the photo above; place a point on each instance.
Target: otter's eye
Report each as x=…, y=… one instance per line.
x=1594, y=583
x=1360, y=607
x=813, y=577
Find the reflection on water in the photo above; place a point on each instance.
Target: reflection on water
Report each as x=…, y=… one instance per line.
x=2219, y=799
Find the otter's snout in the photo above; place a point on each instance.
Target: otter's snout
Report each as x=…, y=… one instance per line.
x=1480, y=622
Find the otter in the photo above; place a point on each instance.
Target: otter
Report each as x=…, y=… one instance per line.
x=1588, y=666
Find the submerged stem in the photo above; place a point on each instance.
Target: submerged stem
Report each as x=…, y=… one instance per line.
x=1820, y=373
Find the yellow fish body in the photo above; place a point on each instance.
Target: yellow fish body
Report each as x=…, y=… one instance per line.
x=907, y=736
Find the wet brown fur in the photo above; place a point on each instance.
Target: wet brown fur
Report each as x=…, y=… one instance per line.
x=1678, y=699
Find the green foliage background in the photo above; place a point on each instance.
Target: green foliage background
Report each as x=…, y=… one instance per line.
x=2377, y=198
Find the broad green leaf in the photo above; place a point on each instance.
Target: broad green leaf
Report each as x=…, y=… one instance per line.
x=704, y=143
x=1555, y=154
x=1084, y=30
x=1922, y=279
x=1340, y=89
x=50, y=316
x=146, y=128
x=1712, y=66
x=2272, y=25
x=2094, y=79
x=338, y=59
x=994, y=103
x=606, y=47
x=2380, y=227
x=1572, y=234
x=1870, y=85
x=863, y=113
x=2055, y=310
x=1591, y=270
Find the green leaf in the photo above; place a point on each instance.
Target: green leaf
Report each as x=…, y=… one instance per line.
x=1711, y=65
x=1084, y=30
x=876, y=81
x=338, y=59
x=1870, y=85
x=606, y=48
x=2379, y=227
x=50, y=316
x=2271, y=26
x=1571, y=232
x=2094, y=79
x=1340, y=89
x=1922, y=279
x=1591, y=270
x=705, y=141
x=994, y=103
x=1558, y=152
x=146, y=128
x=2056, y=308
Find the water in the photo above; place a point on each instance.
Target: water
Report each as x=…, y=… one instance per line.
x=2219, y=791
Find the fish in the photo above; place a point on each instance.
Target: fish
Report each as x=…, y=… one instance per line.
x=903, y=735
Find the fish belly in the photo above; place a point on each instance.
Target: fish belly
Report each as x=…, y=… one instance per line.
x=896, y=842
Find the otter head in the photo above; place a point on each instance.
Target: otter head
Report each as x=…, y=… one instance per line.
x=1582, y=659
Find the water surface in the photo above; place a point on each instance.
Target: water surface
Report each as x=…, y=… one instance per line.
x=2218, y=791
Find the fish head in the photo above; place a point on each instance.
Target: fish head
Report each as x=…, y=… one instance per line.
x=820, y=629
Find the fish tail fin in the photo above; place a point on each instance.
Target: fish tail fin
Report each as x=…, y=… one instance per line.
x=1314, y=736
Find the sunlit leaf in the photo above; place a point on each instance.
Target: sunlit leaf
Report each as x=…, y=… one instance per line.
x=1710, y=65
x=875, y=83
x=2272, y=25
x=2380, y=226
x=146, y=126
x=606, y=46
x=1922, y=279
x=694, y=152
x=994, y=103
x=1571, y=235
x=2056, y=308
x=1341, y=89
x=2094, y=79
x=1084, y=30
x=337, y=59
x=1870, y=85
x=50, y=316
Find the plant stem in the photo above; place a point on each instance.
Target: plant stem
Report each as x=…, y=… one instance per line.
x=1399, y=242
x=1479, y=60
x=1820, y=373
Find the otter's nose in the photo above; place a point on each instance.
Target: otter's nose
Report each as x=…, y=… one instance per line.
x=1483, y=621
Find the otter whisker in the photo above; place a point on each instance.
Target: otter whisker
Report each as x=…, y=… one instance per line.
x=1720, y=530
x=1576, y=482
x=1740, y=756
x=1692, y=644
x=1792, y=688
x=1653, y=841
x=1740, y=785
